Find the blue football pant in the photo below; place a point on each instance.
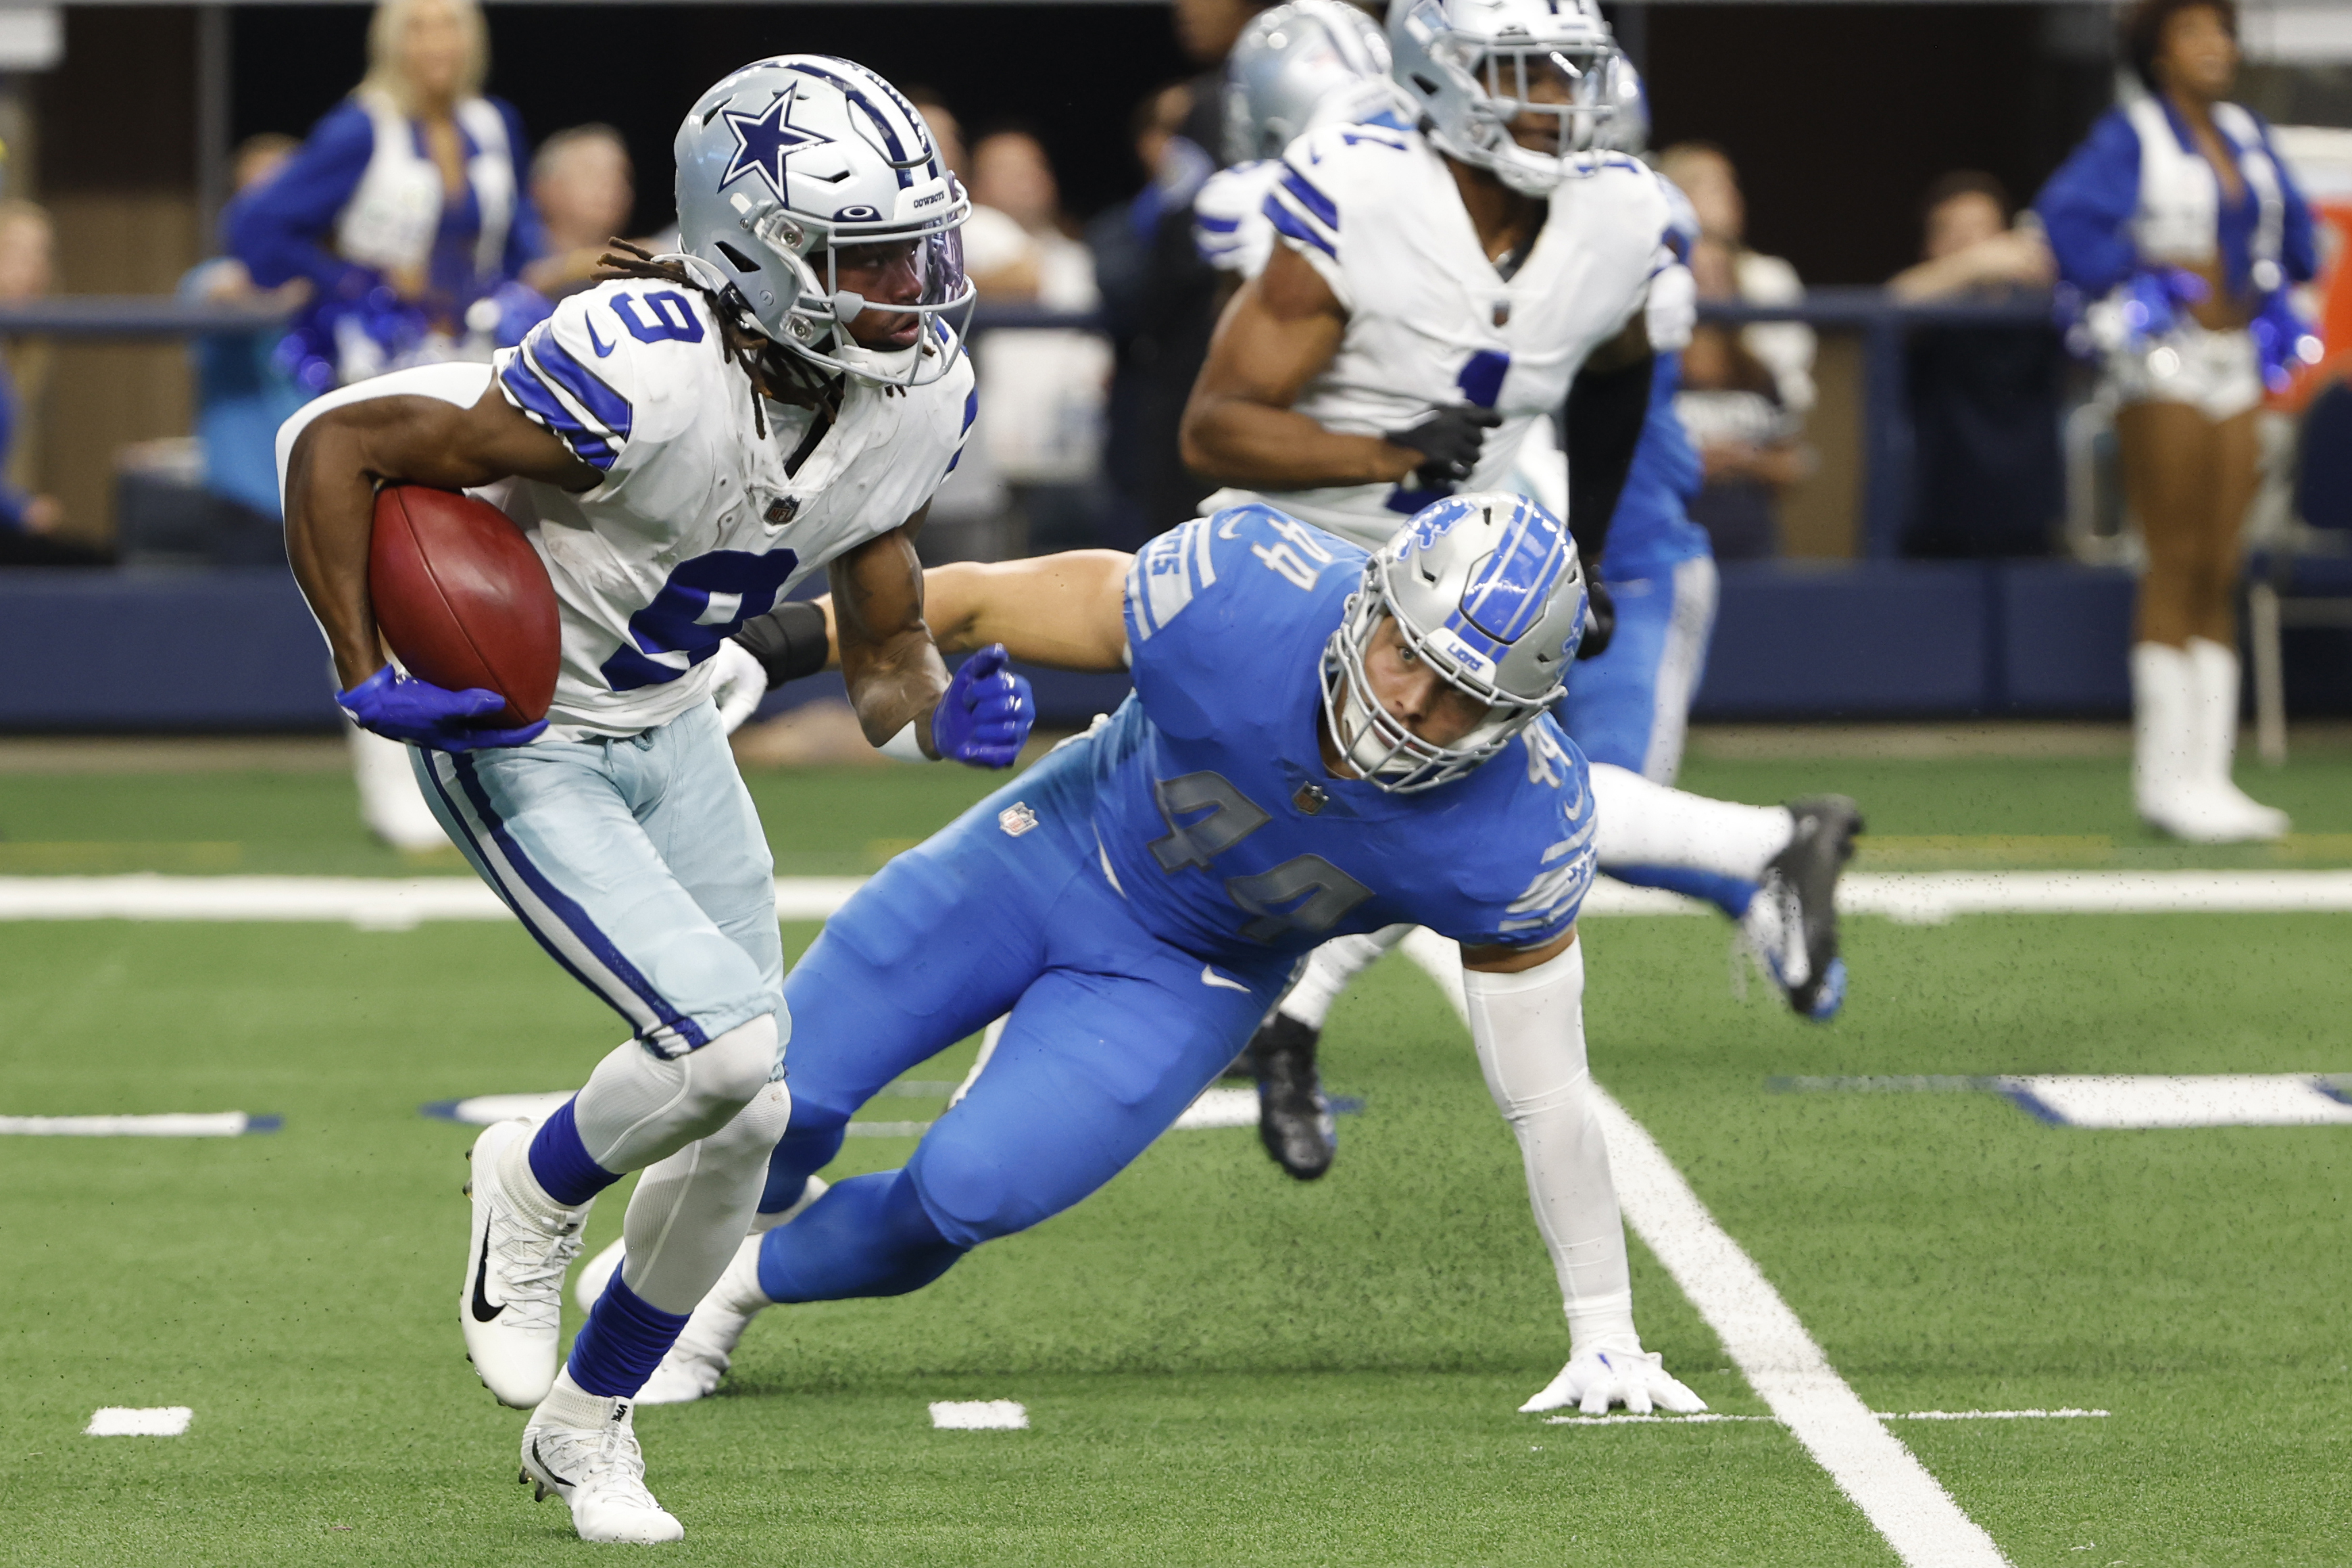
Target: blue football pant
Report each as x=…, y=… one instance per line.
x=1112, y=1033
x=1630, y=706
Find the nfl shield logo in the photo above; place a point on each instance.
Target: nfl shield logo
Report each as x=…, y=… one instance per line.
x=1502, y=312
x=782, y=510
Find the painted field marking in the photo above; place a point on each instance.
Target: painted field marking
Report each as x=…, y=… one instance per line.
x=1216, y=1108
x=1764, y=1339
x=133, y=1421
x=168, y=1124
x=1920, y=897
x=2135, y=1101
x=980, y=1416
x=1620, y=1420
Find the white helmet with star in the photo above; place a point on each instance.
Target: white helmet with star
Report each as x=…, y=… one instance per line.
x=788, y=161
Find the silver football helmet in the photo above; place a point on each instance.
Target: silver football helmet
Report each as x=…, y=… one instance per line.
x=1473, y=67
x=1627, y=128
x=1290, y=63
x=789, y=160
x=1487, y=589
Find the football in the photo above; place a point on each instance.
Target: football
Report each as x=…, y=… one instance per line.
x=462, y=598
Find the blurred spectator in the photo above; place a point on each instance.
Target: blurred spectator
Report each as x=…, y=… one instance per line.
x=1989, y=479
x=28, y=524
x=1786, y=348
x=1159, y=302
x=1737, y=418
x=1969, y=246
x=1041, y=392
x=584, y=188
x=243, y=390
x=971, y=516
x=405, y=207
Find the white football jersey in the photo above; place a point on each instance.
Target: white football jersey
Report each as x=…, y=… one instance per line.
x=1430, y=321
x=696, y=527
x=1230, y=228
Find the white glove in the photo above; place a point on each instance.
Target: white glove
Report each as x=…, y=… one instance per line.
x=738, y=683
x=1598, y=1379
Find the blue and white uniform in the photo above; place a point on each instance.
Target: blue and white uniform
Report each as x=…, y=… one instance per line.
x=1136, y=901
x=623, y=837
x=2139, y=196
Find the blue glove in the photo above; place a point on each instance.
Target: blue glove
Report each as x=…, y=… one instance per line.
x=2284, y=342
x=403, y=708
x=985, y=713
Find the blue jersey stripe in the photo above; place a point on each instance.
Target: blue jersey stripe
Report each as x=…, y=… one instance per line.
x=1319, y=205
x=1290, y=225
x=533, y=396
x=1216, y=225
x=555, y=363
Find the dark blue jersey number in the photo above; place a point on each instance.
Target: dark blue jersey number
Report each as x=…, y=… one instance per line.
x=1206, y=816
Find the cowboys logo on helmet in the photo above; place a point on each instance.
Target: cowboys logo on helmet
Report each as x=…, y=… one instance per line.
x=1487, y=589
x=1485, y=73
x=789, y=161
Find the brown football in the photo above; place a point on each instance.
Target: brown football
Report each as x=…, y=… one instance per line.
x=463, y=599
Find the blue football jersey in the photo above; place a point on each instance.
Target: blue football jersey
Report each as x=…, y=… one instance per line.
x=1215, y=815
x=1650, y=529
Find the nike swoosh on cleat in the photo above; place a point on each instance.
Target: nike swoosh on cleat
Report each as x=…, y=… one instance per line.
x=483, y=1311
x=1210, y=977
x=540, y=1461
x=604, y=350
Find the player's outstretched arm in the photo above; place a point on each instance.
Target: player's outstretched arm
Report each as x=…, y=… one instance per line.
x=344, y=453
x=1278, y=332
x=906, y=702
x=1063, y=612
x=1526, y=1017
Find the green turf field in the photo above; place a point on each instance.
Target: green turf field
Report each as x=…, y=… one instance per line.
x=1221, y=1366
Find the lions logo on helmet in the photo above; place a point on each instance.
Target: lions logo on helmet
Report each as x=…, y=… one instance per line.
x=1474, y=67
x=789, y=160
x=1485, y=589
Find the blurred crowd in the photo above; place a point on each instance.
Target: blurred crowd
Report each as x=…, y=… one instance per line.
x=419, y=220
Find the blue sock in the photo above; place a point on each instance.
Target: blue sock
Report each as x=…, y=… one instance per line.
x=1732, y=895
x=561, y=1162
x=867, y=1236
x=622, y=1343
x=798, y=1156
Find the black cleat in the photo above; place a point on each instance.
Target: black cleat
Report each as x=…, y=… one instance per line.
x=1801, y=881
x=1293, y=1121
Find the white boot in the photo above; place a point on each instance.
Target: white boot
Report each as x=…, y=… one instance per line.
x=2164, y=783
x=2214, y=740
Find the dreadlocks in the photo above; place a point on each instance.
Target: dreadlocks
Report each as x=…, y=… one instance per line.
x=771, y=371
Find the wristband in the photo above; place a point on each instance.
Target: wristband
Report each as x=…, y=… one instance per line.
x=904, y=744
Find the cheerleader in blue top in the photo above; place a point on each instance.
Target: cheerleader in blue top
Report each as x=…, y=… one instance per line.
x=407, y=205
x=2180, y=225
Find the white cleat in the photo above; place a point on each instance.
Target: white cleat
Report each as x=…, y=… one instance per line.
x=706, y=1347
x=583, y=1449
x=512, y=1303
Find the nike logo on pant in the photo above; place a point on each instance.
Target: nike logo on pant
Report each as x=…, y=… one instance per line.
x=483, y=1311
x=1210, y=977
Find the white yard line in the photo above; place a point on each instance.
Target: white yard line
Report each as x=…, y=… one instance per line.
x=397, y=903
x=1763, y=1337
x=1622, y=1420
x=167, y=1124
x=138, y=1421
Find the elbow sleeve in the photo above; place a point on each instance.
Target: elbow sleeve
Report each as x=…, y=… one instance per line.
x=788, y=641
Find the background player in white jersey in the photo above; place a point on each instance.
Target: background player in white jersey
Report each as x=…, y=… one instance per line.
x=1434, y=297
x=680, y=448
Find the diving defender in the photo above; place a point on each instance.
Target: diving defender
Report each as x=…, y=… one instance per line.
x=1320, y=742
x=680, y=446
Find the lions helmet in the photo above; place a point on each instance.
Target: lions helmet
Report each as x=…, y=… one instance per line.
x=1487, y=589
x=1474, y=66
x=789, y=160
x=1292, y=62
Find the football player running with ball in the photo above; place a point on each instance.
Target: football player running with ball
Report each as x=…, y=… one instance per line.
x=1427, y=287
x=680, y=446
x=1320, y=742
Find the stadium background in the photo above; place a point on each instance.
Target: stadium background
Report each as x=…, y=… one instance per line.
x=1221, y=1366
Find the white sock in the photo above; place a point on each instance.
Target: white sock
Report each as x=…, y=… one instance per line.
x=690, y=1211
x=1329, y=969
x=2213, y=709
x=1647, y=824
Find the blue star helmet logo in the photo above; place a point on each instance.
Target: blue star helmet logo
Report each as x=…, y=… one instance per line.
x=762, y=141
